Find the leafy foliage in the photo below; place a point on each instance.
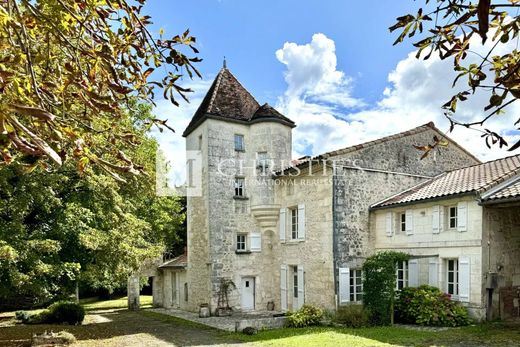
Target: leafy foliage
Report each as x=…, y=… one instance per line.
x=426, y=305
x=68, y=70
x=307, y=315
x=450, y=28
x=61, y=227
x=379, y=284
x=352, y=316
x=66, y=312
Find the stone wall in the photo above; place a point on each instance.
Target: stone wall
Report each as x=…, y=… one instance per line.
x=501, y=255
x=314, y=253
x=449, y=243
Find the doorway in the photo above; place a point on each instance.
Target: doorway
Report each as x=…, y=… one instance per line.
x=248, y=293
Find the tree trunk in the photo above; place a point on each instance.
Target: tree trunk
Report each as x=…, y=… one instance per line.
x=77, y=292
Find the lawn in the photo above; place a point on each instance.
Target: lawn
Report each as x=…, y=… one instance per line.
x=108, y=323
x=492, y=334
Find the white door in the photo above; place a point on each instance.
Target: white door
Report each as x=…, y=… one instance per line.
x=248, y=293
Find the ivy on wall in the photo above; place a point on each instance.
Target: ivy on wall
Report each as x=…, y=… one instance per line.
x=379, y=285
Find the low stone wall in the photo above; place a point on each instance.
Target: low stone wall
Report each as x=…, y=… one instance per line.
x=260, y=323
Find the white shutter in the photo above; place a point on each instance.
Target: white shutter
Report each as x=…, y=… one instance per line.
x=344, y=285
x=433, y=273
x=464, y=279
x=462, y=216
x=413, y=273
x=301, y=222
x=409, y=222
x=389, y=224
x=283, y=287
x=436, y=219
x=442, y=218
x=301, y=286
x=256, y=242
x=283, y=223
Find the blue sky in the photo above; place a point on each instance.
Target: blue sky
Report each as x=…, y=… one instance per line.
x=249, y=32
x=329, y=65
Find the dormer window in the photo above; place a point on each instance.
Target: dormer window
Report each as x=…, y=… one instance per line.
x=239, y=143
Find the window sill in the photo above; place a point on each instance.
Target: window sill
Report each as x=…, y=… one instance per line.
x=240, y=150
x=293, y=242
x=242, y=252
x=238, y=197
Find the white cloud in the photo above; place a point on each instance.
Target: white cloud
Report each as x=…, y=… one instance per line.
x=318, y=99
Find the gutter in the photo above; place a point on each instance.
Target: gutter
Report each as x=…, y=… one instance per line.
x=413, y=202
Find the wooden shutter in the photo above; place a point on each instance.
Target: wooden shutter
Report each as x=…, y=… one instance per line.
x=301, y=222
x=283, y=287
x=462, y=216
x=389, y=224
x=442, y=218
x=409, y=222
x=436, y=219
x=344, y=285
x=413, y=273
x=256, y=242
x=282, y=222
x=301, y=286
x=433, y=272
x=464, y=279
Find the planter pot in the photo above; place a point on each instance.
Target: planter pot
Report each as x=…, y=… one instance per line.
x=222, y=312
x=204, y=311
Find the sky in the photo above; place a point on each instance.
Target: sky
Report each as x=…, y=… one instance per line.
x=329, y=65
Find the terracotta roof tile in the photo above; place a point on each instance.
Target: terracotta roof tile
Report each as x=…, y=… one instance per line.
x=509, y=191
x=228, y=99
x=179, y=262
x=472, y=179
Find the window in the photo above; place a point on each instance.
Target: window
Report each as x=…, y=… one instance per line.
x=239, y=142
x=452, y=222
x=402, y=222
x=294, y=222
x=241, y=242
x=239, y=186
x=185, y=291
x=452, y=277
x=402, y=275
x=356, y=285
x=295, y=281
x=262, y=159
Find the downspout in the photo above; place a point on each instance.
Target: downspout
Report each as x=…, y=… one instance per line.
x=334, y=240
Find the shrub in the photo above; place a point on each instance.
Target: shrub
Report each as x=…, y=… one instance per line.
x=427, y=305
x=306, y=316
x=22, y=316
x=66, y=312
x=353, y=316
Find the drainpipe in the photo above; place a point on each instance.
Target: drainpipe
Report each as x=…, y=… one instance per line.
x=334, y=239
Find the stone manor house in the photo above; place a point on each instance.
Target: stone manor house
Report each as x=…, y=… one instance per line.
x=293, y=232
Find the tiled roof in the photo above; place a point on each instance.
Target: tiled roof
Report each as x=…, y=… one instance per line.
x=475, y=179
x=346, y=150
x=227, y=99
x=509, y=191
x=179, y=262
x=266, y=111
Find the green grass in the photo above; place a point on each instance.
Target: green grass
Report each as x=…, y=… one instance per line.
x=480, y=335
x=91, y=304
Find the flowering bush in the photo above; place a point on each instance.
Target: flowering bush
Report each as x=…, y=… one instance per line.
x=306, y=316
x=427, y=305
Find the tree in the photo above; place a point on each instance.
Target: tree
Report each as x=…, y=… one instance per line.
x=451, y=29
x=68, y=69
x=64, y=226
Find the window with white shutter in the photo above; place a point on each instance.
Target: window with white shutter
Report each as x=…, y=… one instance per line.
x=433, y=272
x=301, y=222
x=283, y=287
x=462, y=216
x=301, y=286
x=256, y=242
x=464, y=279
x=413, y=272
x=409, y=222
x=436, y=219
x=389, y=224
x=344, y=285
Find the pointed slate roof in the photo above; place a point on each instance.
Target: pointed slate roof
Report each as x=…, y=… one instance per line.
x=228, y=100
x=475, y=179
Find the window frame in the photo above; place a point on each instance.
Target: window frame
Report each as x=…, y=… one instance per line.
x=355, y=282
x=453, y=218
x=242, y=146
x=239, y=242
x=404, y=269
x=239, y=186
x=402, y=222
x=456, y=279
x=295, y=281
x=293, y=222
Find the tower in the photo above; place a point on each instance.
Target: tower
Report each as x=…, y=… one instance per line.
x=231, y=223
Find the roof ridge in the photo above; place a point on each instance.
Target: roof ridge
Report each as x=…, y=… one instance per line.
x=215, y=90
x=241, y=85
x=483, y=163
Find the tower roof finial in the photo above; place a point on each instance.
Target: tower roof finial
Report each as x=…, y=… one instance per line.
x=224, y=65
